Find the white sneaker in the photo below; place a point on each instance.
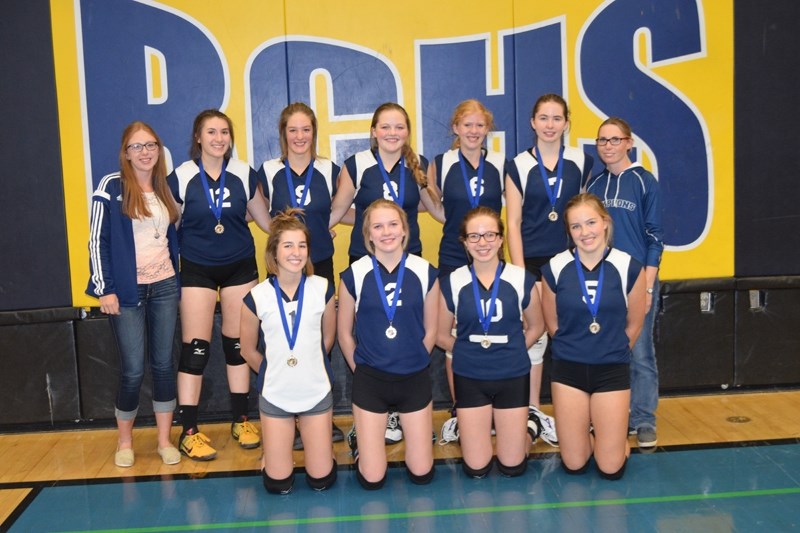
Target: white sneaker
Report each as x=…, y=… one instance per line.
x=449, y=431
x=394, y=432
x=546, y=425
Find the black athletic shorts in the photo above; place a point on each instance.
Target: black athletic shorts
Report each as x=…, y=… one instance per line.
x=218, y=276
x=534, y=265
x=324, y=269
x=380, y=392
x=499, y=393
x=591, y=378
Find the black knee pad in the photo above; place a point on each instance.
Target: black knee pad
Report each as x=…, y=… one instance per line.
x=277, y=486
x=323, y=483
x=369, y=485
x=616, y=475
x=578, y=472
x=480, y=473
x=513, y=471
x=424, y=479
x=233, y=353
x=194, y=357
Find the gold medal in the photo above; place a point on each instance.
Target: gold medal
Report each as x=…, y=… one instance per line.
x=219, y=229
x=594, y=327
x=553, y=216
x=292, y=361
x=485, y=343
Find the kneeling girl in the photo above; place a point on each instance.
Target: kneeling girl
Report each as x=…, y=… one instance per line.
x=294, y=313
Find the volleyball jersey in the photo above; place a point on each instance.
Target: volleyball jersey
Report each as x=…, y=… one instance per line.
x=456, y=199
x=317, y=202
x=632, y=200
x=199, y=242
x=507, y=356
x=542, y=237
x=369, y=185
x=297, y=388
x=573, y=341
x=404, y=354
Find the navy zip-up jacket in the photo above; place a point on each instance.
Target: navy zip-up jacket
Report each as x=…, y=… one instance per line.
x=112, y=251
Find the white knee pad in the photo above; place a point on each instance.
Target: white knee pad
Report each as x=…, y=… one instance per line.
x=536, y=352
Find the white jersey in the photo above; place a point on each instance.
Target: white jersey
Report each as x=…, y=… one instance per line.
x=294, y=389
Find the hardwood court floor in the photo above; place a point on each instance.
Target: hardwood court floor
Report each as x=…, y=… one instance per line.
x=34, y=458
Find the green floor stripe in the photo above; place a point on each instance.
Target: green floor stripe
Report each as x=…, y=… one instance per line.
x=473, y=510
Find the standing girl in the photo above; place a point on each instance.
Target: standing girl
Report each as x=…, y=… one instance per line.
x=391, y=170
x=391, y=298
x=630, y=193
x=489, y=300
x=216, y=193
x=301, y=179
x=466, y=176
x=294, y=313
x=133, y=248
x=540, y=180
x=593, y=301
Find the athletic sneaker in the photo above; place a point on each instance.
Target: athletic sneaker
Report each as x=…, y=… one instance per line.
x=298, y=441
x=546, y=424
x=394, y=432
x=246, y=433
x=646, y=437
x=196, y=446
x=337, y=434
x=352, y=442
x=449, y=431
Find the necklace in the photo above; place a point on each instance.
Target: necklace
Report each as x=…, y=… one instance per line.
x=155, y=205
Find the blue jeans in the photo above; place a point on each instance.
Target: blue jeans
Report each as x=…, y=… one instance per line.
x=644, y=371
x=151, y=323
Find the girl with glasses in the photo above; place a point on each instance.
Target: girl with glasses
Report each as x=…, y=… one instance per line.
x=489, y=299
x=630, y=193
x=133, y=248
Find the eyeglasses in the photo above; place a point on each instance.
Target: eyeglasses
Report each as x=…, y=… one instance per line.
x=137, y=147
x=602, y=141
x=489, y=236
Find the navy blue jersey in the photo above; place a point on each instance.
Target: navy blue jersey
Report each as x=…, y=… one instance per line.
x=369, y=186
x=405, y=354
x=507, y=357
x=632, y=201
x=573, y=341
x=317, y=203
x=456, y=200
x=542, y=237
x=198, y=241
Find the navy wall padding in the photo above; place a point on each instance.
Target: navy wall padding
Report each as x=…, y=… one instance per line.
x=34, y=261
x=39, y=382
x=765, y=116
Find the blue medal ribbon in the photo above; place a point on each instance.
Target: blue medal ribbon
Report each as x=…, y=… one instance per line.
x=474, y=198
x=398, y=198
x=291, y=336
x=552, y=192
x=376, y=273
x=485, y=320
x=216, y=207
x=593, y=305
x=290, y=183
